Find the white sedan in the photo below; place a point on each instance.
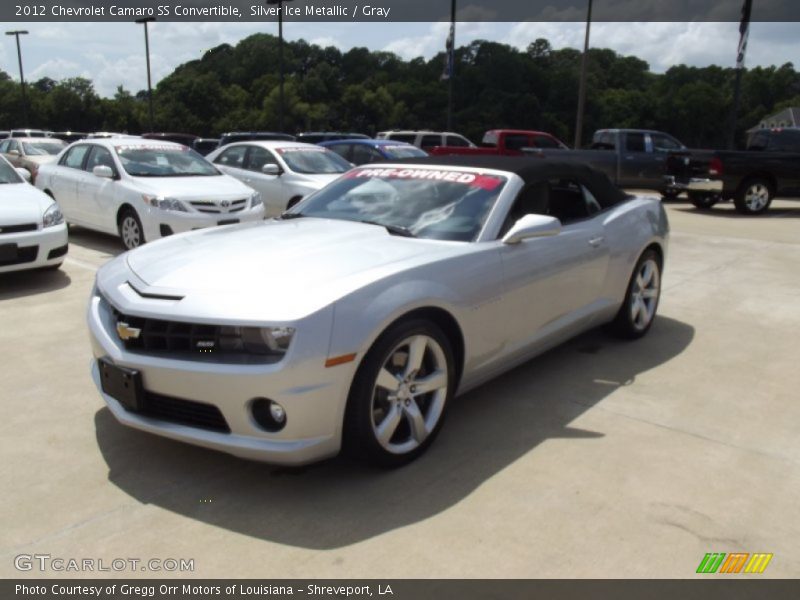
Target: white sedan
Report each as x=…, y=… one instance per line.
x=283, y=172
x=143, y=190
x=33, y=234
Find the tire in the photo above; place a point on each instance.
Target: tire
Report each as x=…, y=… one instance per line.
x=389, y=422
x=638, y=310
x=668, y=194
x=293, y=201
x=703, y=201
x=130, y=229
x=754, y=196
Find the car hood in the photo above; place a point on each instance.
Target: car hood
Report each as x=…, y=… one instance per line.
x=214, y=186
x=274, y=270
x=21, y=203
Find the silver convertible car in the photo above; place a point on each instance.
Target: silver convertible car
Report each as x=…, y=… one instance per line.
x=354, y=319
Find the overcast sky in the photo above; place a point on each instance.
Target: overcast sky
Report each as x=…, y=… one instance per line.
x=112, y=54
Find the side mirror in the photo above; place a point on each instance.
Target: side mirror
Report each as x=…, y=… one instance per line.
x=103, y=171
x=532, y=226
x=271, y=169
x=13, y=152
x=24, y=173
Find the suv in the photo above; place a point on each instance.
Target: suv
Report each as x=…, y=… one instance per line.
x=246, y=136
x=315, y=137
x=427, y=139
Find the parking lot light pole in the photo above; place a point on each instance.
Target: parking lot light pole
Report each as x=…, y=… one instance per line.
x=280, y=58
x=144, y=21
x=582, y=83
x=16, y=34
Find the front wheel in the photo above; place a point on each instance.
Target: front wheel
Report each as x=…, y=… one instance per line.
x=399, y=395
x=703, y=201
x=638, y=310
x=753, y=197
x=130, y=229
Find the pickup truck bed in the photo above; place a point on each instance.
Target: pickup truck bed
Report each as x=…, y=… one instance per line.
x=751, y=178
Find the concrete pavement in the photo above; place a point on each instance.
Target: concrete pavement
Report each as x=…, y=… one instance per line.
x=599, y=459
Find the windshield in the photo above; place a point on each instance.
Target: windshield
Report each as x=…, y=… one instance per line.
x=403, y=152
x=48, y=148
x=427, y=203
x=163, y=161
x=7, y=173
x=313, y=161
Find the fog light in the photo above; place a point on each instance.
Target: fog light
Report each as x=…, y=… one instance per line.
x=269, y=415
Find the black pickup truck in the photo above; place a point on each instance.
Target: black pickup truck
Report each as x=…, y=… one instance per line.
x=769, y=167
x=630, y=157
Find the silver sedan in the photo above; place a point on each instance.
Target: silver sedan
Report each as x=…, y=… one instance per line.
x=354, y=319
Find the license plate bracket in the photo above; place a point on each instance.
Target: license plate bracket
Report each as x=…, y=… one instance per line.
x=122, y=384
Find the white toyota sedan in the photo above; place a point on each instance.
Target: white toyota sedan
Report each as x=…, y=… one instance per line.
x=283, y=172
x=143, y=189
x=33, y=234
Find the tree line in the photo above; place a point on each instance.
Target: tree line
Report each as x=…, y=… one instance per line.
x=496, y=85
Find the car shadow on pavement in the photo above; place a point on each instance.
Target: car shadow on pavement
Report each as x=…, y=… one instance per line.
x=729, y=212
x=339, y=502
x=94, y=240
x=18, y=284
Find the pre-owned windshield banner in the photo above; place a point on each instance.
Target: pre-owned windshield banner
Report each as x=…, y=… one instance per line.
x=394, y=10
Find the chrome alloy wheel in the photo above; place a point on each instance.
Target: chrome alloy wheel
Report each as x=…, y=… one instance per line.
x=644, y=295
x=131, y=232
x=756, y=197
x=409, y=394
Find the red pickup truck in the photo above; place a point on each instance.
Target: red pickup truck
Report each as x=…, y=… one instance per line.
x=505, y=142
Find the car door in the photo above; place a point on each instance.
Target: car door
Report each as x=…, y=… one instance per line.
x=96, y=196
x=634, y=159
x=14, y=153
x=273, y=190
x=553, y=284
x=661, y=145
x=64, y=181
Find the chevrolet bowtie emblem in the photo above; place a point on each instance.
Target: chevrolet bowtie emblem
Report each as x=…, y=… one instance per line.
x=126, y=332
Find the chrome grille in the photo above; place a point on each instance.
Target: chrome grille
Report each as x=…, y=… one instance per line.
x=216, y=208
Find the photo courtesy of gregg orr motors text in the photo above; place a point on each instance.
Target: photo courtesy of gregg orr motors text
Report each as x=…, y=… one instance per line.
x=46, y=563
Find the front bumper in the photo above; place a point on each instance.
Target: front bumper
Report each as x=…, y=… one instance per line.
x=157, y=222
x=314, y=397
x=36, y=249
x=693, y=184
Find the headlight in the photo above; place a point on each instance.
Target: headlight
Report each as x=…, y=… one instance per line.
x=255, y=200
x=164, y=203
x=256, y=340
x=52, y=216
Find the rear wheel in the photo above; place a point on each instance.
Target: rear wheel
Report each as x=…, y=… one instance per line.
x=638, y=310
x=130, y=229
x=703, y=201
x=399, y=395
x=669, y=194
x=753, y=197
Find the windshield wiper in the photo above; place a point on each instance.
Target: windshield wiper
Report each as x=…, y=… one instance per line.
x=392, y=229
x=287, y=215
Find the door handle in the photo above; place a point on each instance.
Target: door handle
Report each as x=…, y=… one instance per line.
x=595, y=242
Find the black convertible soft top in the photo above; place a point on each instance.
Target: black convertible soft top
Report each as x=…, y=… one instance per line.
x=533, y=170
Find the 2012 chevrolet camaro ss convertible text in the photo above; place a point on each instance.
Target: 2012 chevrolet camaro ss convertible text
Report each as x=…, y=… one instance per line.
x=354, y=319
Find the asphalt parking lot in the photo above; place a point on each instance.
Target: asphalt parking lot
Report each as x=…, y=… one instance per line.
x=599, y=459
